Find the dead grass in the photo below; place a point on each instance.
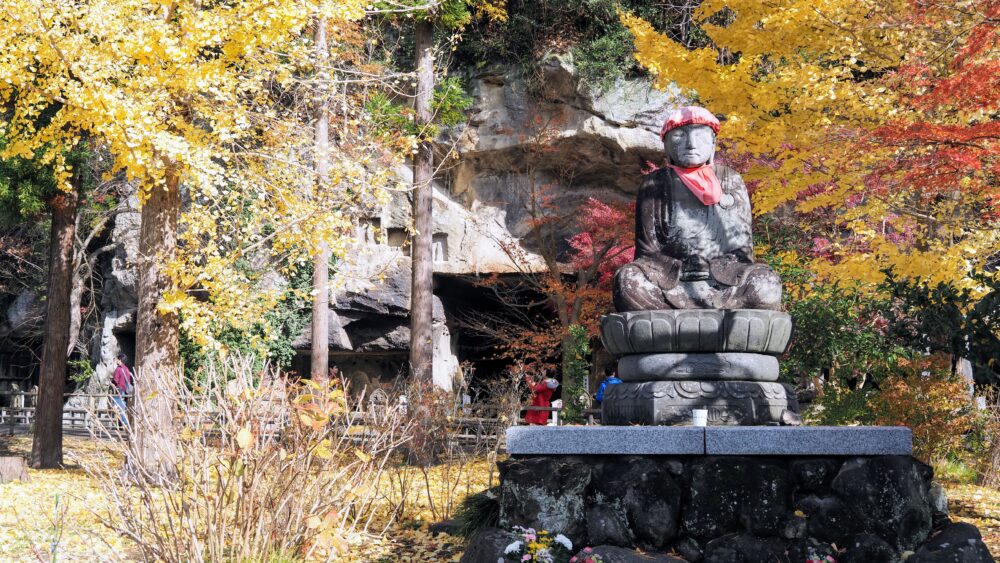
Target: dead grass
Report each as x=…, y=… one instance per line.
x=52, y=516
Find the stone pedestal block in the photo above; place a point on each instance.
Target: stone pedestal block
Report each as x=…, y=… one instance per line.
x=729, y=403
x=723, y=509
x=697, y=330
x=698, y=367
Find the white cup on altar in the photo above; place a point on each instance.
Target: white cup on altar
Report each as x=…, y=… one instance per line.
x=699, y=417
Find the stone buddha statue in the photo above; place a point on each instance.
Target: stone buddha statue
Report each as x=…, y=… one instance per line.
x=693, y=245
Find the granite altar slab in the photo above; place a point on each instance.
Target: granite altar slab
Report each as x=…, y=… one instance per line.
x=606, y=440
x=712, y=440
x=809, y=440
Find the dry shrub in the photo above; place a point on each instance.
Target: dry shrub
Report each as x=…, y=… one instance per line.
x=935, y=404
x=452, y=448
x=261, y=472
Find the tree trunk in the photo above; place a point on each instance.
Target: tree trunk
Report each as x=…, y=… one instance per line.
x=157, y=370
x=320, y=352
x=46, y=447
x=421, y=296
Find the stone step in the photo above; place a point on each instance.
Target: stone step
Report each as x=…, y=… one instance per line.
x=691, y=440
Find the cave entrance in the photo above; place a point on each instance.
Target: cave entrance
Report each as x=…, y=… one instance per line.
x=466, y=302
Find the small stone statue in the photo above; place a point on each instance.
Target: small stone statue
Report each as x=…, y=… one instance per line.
x=693, y=245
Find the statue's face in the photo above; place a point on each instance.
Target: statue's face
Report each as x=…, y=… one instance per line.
x=690, y=146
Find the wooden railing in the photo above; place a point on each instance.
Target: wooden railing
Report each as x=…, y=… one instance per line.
x=94, y=411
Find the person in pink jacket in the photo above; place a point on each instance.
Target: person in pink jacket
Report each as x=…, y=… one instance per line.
x=122, y=381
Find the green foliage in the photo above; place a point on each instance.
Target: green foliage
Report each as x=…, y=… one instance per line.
x=576, y=368
x=603, y=59
x=80, y=370
x=955, y=471
x=389, y=118
x=478, y=511
x=590, y=29
x=453, y=15
x=944, y=318
x=27, y=184
x=838, y=407
x=839, y=332
x=24, y=187
x=269, y=339
x=450, y=102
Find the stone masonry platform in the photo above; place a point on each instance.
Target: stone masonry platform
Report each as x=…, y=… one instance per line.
x=711, y=440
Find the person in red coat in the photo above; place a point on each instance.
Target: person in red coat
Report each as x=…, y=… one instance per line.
x=541, y=396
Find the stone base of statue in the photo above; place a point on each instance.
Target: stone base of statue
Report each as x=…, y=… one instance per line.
x=729, y=403
x=698, y=367
x=677, y=360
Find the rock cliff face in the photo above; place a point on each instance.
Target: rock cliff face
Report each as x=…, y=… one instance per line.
x=571, y=137
x=118, y=297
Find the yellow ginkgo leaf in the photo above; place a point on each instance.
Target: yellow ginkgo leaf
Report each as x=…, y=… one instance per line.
x=244, y=438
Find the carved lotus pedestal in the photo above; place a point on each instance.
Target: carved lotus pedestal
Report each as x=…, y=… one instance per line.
x=674, y=361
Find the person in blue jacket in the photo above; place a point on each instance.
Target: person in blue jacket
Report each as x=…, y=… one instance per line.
x=609, y=379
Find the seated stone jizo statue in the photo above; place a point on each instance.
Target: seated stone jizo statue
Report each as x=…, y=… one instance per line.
x=693, y=244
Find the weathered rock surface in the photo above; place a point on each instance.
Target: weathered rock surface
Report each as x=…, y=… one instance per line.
x=23, y=316
x=743, y=548
x=813, y=474
x=487, y=546
x=868, y=548
x=644, y=497
x=737, y=509
x=613, y=554
x=957, y=543
x=890, y=496
x=806, y=549
x=546, y=494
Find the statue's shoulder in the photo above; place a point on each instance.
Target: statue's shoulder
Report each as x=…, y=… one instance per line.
x=655, y=178
x=729, y=178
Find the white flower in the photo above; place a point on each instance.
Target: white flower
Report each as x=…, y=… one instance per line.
x=512, y=548
x=564, y=541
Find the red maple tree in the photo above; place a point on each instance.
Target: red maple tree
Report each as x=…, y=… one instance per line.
x=946, y=142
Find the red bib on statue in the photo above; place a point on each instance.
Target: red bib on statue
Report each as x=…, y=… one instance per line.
x=702, y=182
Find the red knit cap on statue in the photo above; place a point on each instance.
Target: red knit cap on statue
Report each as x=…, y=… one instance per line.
x=690, y=115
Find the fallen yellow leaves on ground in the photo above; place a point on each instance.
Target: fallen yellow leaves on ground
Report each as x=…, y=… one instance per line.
x=979, y=506
x=406, y=545
x=53, y=516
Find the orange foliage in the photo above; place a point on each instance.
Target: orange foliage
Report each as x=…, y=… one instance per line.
x=935, y=404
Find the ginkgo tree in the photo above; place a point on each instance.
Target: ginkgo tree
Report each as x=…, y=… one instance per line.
x=883, y=112
x=173, y=89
